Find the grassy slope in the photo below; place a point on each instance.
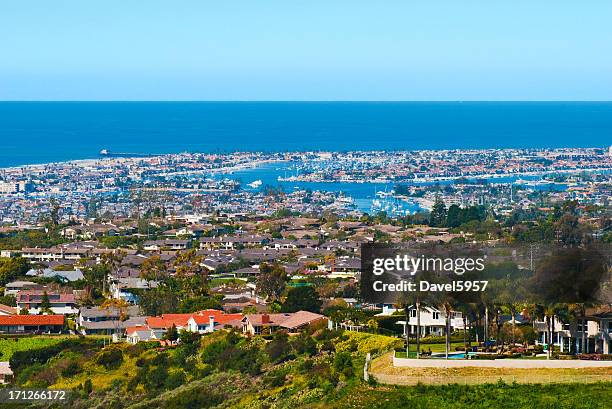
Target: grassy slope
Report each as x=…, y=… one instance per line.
x=235, y=390
x=512, y=396
x=8, y=346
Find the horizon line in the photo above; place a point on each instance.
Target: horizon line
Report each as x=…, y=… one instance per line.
x=304, y=101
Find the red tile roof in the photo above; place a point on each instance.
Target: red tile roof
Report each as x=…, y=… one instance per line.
x=131, y=330
x=161, y=322
x=181, y=320
x=31, y=320
x=220, y=317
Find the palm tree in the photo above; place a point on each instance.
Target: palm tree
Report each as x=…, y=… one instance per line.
x=446, y=305
x=488, y=300
x=465, y=309
x=447, y=312
x=550, y=313
x=112, y=261
x=418, y=328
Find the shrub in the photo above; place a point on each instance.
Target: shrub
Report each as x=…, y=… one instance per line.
x=328, y=346
x=304, y=344
x=156, y=378
x=160, y=359
x=109, y=358
x=343, y=363
x=44, y=378
x=87, y=386
x=363, y=343
x=595, y=357
x=22, y=359
x=275, y=378
x=71, y=369
x=278, y=349
x=175, y=379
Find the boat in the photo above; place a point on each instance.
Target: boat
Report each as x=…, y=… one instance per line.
x=255, y=184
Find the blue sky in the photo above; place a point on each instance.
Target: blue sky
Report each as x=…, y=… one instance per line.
x=305, y=50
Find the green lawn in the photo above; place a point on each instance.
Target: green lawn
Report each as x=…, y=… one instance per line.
x=498, y=396
x=8, y=346
x=435, y=348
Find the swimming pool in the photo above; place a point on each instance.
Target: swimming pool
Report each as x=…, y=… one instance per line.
x=454, y=355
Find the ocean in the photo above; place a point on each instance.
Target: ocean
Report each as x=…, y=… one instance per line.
x=41, y=132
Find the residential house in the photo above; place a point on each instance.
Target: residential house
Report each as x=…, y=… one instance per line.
x=60, y=303
x=64, y=276
x=7, y=310
x=234, y=242
x=171, y=244
x=122, y=287
x=161, y=324
x=14, y=287
x=269, y=323
x=27, y=324
x=209, y=320
x=139, y=333
x=97, y=320
x=602, y=336
x=6, y=374
x=432, y=321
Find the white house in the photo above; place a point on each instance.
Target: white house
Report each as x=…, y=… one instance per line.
x=138, y=334
x=433, y=321
x=209, y=320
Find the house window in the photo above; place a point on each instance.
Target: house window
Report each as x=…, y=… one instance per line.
x=436, y=315
x=413, y=313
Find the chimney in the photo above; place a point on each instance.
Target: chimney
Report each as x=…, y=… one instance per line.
x=265, y=319
x=211, y=323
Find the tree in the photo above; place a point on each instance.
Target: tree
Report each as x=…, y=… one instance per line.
x=437, y=217
x=302, y=298
x=45, y=304
x=271, y=281
x=569, y=230
x=119, y=305
x=153, y=269
x=10, y=268
x=157, y=301
x=194, y=277
x=9, y=300
x=570, y=275
x=54, y=213
x=112, y=261
x=199, y=303
x=95, y=277
x=171, y=334
x=453, y=216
